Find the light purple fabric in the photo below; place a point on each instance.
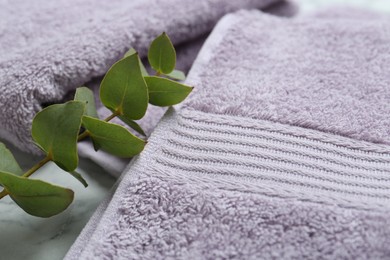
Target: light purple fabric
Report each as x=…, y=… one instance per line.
x=252, y=166
x=50, y=48
x=305, y=76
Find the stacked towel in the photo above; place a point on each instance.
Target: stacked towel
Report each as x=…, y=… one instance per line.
x=282, y=151
x=50, y=48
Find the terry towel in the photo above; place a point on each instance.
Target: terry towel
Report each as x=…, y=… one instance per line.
x=281, y=152
x=50, y=48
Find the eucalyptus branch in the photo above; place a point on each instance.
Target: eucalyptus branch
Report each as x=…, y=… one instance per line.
x=47, y=159
x=126, y=89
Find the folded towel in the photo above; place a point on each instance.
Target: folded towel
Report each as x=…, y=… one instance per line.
x=50, y=48
x=282, y=151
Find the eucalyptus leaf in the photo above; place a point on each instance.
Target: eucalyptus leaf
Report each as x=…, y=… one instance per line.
x=36, y=197
x=96, y=145
x=123, y=89
x=8, y=162
x=141, y=65
x=79, y=178
x=177, y=74
x=162, y=54
x=55, y=130
x=86, y=95
x=166, y=92
x=130, y=52
x=113, y=138
x=133, y=125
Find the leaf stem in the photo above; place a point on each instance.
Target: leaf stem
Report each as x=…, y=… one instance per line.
x=3, y=193
x=37, y=166
x=83, y=135
x=113, y=115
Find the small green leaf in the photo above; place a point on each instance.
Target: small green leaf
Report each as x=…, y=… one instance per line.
x=55, y=130
x=141, y=65
x=162, y=54
x=36, y=197
x=164, y=92
x=86, y=95
x=8, y=162
x=133, y=125
x=79, y=178
x=177, y=74
x=113, y=138
x=124, y=90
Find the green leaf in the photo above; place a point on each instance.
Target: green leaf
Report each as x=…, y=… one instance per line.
x=133, y=125
x=96, y=145
x=164, y=92
x=162, y=54
x=113, y=138
x=55, y=130
x=86, y=95
x=79, y=178
x=141, y=65
x=36, y=197
x=177, y=74
x=8, y=162
x=130, y=52
x=123, y=89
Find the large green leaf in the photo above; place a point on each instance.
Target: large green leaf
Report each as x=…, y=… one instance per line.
x=162, y=54
x=141, y=65
x=36, y=197
x=8, y=162
x=86, y=95
x=123, y=89
x=55, y=130
x=164, y=92
x=113, y=138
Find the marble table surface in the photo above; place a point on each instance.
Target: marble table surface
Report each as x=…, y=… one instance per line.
x=25, y=237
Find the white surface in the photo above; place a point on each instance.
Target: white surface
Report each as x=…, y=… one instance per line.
x=26, y=237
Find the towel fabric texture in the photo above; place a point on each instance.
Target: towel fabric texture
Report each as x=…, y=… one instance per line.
x=281, y=152
x=50, y=48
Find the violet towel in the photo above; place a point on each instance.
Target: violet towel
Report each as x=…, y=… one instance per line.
x=50, y=48
x=282, y=151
